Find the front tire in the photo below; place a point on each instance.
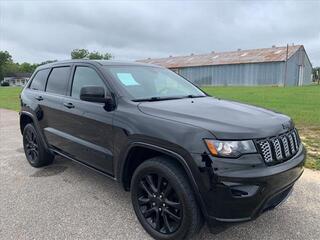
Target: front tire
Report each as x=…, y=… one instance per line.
x=35, y=151
x=164, y=201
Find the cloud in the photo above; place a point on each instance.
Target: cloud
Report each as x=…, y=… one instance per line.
x=35, y=31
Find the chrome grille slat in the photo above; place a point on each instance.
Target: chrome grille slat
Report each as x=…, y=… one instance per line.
x=277, y=148
x=295, y=138
x=285, y=145
x=292, y=147
x=266, y=150
x=280, y=148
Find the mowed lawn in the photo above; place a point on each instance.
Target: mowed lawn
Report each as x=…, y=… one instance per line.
x=300, y=103
x=9, y=98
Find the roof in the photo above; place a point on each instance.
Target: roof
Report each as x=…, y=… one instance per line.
x=274, y=54
x=94, y=62
x=18, y=75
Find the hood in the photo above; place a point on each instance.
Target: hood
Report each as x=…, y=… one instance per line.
x=224, y=119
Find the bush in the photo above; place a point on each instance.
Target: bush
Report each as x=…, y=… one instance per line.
x=5, y=84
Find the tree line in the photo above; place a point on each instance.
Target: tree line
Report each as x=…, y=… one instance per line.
x=8, y=67
x=316, y=74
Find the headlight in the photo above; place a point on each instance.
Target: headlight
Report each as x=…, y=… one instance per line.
x=231, y=149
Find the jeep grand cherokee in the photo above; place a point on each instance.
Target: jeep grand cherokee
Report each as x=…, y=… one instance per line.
x=186, y=157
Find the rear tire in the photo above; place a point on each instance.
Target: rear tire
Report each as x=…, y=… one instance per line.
x=34, y=149
x=164, y=201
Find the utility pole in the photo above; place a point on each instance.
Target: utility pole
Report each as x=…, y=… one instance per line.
x=286, y=67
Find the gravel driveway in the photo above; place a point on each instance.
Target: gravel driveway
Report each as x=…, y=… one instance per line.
x=68, y=201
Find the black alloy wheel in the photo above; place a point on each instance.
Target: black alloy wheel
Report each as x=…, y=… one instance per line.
x=35, y=151
x=159, y=203
x=31, y=145
x=164, y=201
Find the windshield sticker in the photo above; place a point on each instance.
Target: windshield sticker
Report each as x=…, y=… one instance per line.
x=127, y=79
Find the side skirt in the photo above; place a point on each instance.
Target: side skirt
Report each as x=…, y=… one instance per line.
x=83, y=164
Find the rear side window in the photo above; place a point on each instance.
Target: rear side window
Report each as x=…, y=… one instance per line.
x=85, y=76
x=39, y=80
x=58, y=80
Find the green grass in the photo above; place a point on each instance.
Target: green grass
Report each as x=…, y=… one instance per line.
x=300, y=103
x=9, y=98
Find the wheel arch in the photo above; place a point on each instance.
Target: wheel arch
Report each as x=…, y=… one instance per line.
x=26, y=118
x=129, y=166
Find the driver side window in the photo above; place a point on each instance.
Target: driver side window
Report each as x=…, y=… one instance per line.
x=85, y=76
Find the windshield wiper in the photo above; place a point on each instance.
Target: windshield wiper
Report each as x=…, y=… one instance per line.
x=194, y=96
x=153, y=99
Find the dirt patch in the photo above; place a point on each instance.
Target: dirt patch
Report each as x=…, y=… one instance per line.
x=310, y=137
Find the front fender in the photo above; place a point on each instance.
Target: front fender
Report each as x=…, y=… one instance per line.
x=193, y=172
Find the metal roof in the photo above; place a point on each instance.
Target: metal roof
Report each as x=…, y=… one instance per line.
x=18, y=75
x=274, y=54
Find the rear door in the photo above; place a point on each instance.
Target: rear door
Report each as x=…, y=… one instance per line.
x=87, y=125
x=52, y=108
x=34, y=94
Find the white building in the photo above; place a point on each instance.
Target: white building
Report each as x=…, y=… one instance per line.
x=17, y=79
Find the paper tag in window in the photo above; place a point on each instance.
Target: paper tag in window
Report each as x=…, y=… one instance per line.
x=127, y=79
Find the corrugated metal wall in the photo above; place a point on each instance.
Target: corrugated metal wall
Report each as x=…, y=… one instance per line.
x=307, y=70
x=240, y=74
x=300, y=58
x=293, y=70
x=251, y=74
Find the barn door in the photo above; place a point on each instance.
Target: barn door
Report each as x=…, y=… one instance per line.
x=301, y=75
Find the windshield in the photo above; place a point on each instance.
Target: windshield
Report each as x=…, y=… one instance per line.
x=152, y=83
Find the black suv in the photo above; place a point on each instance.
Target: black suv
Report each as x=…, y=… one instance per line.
x=186, y=157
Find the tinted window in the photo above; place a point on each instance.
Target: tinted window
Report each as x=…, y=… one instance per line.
x=39, y=80
x=147, y=82
x=58, y=80
x=85, y=76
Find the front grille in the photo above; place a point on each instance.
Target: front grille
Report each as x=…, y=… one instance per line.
x=279, y=149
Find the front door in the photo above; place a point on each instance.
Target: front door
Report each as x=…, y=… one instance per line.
x=87, y=125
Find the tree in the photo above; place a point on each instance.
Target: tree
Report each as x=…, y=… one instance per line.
x=316, y=74
x=46, y=62
x=95, y=55
x=107, y=56
x=10, y=68
x=5, y=58
x=79, y=53
x=27, y=67
x=84, y=53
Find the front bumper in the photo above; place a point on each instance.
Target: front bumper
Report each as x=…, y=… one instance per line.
x=243, y=194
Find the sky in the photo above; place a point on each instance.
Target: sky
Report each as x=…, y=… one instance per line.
x=36, y=31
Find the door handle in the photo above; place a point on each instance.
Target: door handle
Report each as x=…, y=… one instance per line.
x=68, y=105
x=39, y=98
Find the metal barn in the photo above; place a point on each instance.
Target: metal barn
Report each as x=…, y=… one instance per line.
x=266, y=66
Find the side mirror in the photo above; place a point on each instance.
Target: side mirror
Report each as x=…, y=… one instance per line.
x=97, y=94
x=93, y=94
